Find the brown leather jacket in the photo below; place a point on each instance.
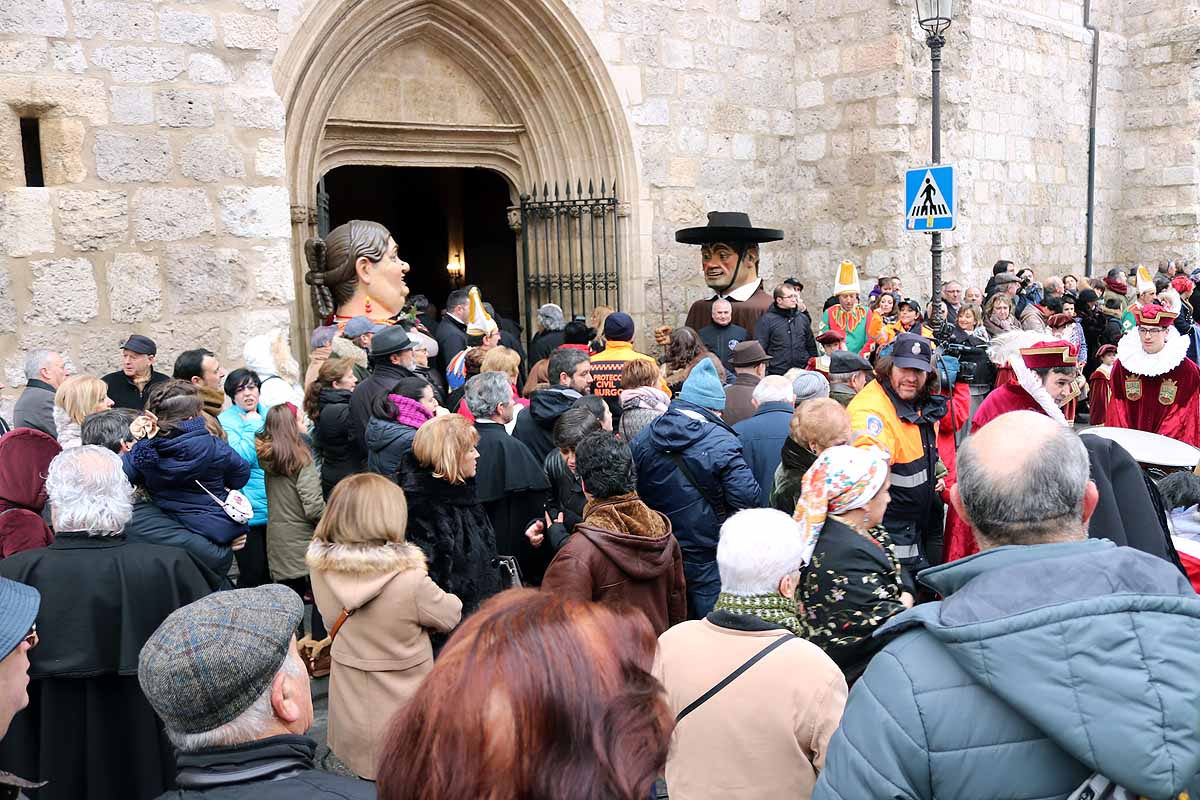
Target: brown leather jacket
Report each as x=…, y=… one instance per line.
x=623, y=551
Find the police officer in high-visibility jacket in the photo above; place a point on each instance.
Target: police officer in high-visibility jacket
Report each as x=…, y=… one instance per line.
x=898, y=412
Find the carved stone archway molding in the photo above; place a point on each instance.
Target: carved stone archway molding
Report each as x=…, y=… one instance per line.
x=496, y=147
x=560, y=115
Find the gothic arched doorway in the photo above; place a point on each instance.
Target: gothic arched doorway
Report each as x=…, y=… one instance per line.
x=438, y=216
x=513, y=86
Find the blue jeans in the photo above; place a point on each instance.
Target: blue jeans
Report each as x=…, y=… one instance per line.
x=703, y=586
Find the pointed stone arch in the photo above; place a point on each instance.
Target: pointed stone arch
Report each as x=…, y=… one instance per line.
x=559, y=112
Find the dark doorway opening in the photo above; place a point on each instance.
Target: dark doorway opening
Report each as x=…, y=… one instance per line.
x=429, y=212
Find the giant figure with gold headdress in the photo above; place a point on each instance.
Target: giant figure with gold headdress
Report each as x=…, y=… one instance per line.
x=860, y=326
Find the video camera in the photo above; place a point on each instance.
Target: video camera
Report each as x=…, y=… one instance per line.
x=974, y=366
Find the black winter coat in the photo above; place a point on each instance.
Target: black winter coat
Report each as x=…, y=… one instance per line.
x=387, y=443
x=566, y=495
x=449, y=523
x=566, y=490
x=341, y=453
x=451, y=337
x=787, y=337
x=535, y=425
x=720, y=341
x=513, y=488
x=543, y=345
x=1129, y=511
x=383, y=377
x=279, y=768
x=88, y=729
x=151, y=525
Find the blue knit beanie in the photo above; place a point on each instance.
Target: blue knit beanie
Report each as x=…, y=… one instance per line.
x=703, y=387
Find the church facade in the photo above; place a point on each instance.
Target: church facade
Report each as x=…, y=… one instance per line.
x=162, y=163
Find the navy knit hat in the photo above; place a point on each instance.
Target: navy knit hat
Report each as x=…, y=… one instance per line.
x=618, y=326
x=210, y=660
x=703, y=387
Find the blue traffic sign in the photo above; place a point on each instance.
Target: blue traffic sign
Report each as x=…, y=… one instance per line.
x=930, y=199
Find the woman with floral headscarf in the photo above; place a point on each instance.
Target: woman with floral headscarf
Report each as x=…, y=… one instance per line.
x=851, y=582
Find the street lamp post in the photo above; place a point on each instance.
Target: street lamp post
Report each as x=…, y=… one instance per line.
x=935, y=17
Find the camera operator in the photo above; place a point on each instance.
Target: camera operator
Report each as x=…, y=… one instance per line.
x=1031, y=290
x=966, y=340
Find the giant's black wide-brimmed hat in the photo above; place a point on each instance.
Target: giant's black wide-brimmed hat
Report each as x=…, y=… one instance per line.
x=728, y=226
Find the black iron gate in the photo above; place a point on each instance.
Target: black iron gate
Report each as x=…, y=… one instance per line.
x=570, y=249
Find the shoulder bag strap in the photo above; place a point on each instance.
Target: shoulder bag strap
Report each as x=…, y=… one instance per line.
x=717, y=505
x=337, y=626
x=731, y=677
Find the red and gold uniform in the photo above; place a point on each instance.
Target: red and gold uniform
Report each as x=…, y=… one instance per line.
x=1155, y=392
x=1100, y=388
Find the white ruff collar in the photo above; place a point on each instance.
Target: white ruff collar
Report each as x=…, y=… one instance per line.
x=1134, y=359
x=1033, y=386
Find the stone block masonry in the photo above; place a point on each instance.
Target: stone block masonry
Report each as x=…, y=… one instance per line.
x=806, y=114
x=164, y=208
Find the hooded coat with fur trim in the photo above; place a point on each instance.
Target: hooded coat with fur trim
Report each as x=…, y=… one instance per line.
x=382, y=652
x=623, y=552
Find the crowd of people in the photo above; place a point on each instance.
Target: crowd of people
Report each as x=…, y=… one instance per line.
x=583, y=570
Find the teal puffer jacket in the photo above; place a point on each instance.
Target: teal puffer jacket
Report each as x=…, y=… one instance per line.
x=1043, y=665
x=240, y=430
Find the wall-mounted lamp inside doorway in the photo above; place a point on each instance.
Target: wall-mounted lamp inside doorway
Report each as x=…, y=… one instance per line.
x=456, y=270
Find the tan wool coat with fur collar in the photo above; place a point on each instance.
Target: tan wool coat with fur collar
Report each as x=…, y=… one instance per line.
x=382, y=652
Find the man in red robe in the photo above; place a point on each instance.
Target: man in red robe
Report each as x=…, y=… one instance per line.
x=1155, y=387
x=1045, y=372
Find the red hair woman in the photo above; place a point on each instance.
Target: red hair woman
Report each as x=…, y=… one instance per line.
x=535, y=696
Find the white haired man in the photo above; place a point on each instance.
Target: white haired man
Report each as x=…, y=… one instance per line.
x=763, y=434
x=770, y=726
x=1053, y=661
x=550, y=321
x=226, y=678
x=44, y=371
x=510, y=482
x=89, y=729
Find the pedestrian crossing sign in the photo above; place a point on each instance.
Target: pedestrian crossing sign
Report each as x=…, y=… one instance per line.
x=930, y=198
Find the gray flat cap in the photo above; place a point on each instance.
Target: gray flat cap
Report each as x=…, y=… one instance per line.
x=211, y=659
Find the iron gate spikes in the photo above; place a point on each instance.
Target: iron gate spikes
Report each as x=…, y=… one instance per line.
x=570, y=248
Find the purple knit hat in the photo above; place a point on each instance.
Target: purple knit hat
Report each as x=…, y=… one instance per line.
x=410, y=412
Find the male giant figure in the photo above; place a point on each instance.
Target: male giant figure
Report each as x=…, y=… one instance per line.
x=729, y=257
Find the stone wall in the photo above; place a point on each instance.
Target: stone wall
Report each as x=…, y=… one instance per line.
x=1022, y=136
x=1159, y=210
x=708, y=89
x=164, y=210
x=166, y=206
x=812, y=134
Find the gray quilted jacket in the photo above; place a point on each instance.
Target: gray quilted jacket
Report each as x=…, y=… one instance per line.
x=1043, y=665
